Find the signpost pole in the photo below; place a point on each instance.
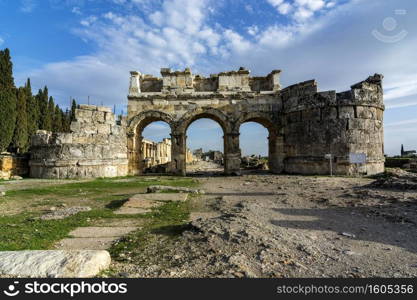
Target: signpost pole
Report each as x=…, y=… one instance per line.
x=331, y=169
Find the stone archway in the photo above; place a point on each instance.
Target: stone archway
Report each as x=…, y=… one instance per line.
x=275, y=139
x=134, y=137
x=179, y=135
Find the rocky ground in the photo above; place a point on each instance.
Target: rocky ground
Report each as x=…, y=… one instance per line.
x=288, y=226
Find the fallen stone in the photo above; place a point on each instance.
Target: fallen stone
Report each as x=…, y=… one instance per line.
x=163, y=188
x=88, y=243
x=16, y=177
x=64, y=213
x=136, y=200
x=53, y=263
x=347, y=234
x=2, y=194
x=131, y=211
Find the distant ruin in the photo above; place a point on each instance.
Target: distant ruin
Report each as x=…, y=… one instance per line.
x=307, y=129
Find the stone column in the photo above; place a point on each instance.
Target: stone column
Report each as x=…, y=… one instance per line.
x=135, y=154
x=276, y=153
x=232, y=154
x=178, y=149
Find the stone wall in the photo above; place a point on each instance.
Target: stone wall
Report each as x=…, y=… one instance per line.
x=303, y=124
x=13, y=165
x=340, y=124
x=95, y=147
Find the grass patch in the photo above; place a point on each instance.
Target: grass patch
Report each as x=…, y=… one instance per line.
x=169, y=220
x=24, y=231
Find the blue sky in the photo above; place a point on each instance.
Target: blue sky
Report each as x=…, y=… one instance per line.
x=84, y=48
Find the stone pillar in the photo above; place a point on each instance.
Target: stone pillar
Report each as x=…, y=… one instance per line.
x=232, y=154
x=178, y=149
x=135, y=154
x=134, y=86
x=276, y=153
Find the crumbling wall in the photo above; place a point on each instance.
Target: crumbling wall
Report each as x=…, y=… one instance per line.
x=341, y=124
x=95, y=147
x=13, y=165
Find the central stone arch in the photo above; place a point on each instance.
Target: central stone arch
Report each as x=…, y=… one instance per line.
x=135, y=128
x=179, y=135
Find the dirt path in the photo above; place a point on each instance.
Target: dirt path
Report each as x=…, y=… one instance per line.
x=290, y=226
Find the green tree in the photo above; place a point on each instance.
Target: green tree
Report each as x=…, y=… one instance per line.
x=20, y=137
x=42, y=99
x=49, y=115
x=57, y=121
x=7, y=100
x=33, y=113
x=73, y=108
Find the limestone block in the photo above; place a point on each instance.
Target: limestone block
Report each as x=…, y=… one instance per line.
x=63, y=138
x=42, y=137
x=98, y=117
x=83, y=115
x=103, y=128
x=75, y=127
x=53, y=263
x=109, y=118
x=104, y=109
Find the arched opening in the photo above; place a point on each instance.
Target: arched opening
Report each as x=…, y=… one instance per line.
x=261, y=146
x=155, y=149
x=149, y=143
x=254, y=147
x=204, y=146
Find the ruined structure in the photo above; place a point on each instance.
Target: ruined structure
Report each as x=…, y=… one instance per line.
x=303, y=124
x=156, y=153
x=13, y=165
x=96, y=147
x=306, y=127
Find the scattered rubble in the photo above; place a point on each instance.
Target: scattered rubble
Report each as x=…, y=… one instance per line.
x=396, y=179
x=163, y=188
x=58, y=214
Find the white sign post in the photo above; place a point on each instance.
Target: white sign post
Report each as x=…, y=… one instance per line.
x=329, y=157
x=357, y=158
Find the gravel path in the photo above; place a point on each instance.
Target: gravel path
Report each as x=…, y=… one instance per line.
x=289, y=226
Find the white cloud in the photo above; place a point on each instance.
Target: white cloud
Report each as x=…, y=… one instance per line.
x=88, y=21
x=252, y=30
x=1, y=41
x=27, y=6
x=285, y=8
x=331, y=43
x=76, y=10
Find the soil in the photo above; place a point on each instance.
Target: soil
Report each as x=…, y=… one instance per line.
x=287, y=226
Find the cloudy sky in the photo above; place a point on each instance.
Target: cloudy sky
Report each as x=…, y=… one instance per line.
x=84, y=48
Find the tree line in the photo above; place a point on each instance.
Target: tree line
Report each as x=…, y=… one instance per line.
x=22, y=113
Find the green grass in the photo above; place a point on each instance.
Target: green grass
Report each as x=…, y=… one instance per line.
x=170, y=220
x=26, y=231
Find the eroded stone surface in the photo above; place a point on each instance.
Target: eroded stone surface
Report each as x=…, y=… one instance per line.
x=159, y=196
x=53, y=263
x=86, y=243
x=98, y=232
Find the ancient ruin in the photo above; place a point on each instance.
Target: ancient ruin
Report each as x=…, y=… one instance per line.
x=309, y=131
x=96, y=147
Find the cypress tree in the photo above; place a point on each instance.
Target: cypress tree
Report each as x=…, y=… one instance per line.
x=57, y=121
x=7, y=100
x=44, y=120
x=32, y=108
x=73, y=108
x=20, y=137
x=49, y=115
